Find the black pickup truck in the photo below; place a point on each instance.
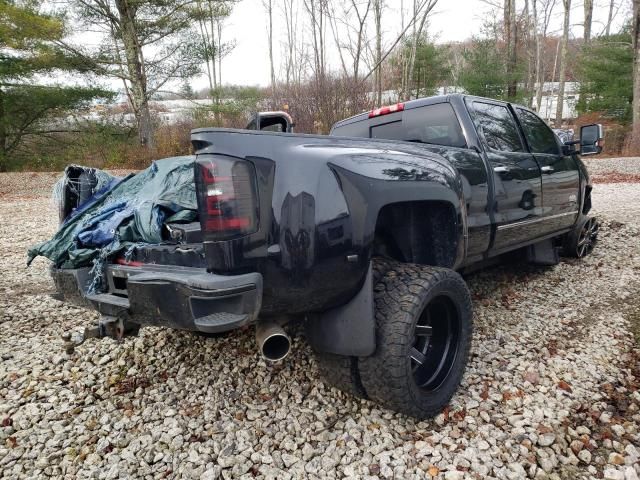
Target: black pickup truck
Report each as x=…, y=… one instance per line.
x=360, y=237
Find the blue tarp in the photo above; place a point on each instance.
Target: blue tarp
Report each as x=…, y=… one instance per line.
x=124, y=213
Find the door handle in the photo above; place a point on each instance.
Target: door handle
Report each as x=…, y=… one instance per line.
x=501, y=169
x=547, y=169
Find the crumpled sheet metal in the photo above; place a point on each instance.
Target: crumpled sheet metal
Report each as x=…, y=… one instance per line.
x=122, y=214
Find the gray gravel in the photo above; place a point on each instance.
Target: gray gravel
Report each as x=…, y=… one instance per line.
x=597, y=165
x=551, y=390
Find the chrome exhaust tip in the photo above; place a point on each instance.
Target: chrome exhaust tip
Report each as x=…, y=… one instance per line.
x=273, y=342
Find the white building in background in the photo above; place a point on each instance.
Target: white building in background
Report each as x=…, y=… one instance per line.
x=548, y=105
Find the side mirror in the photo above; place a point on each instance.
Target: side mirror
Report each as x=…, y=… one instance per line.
x=591, y=139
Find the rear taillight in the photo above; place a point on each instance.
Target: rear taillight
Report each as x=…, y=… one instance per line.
x=398, y=107
x=227, y=198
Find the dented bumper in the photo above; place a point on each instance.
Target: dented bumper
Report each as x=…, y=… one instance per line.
x=168, y=296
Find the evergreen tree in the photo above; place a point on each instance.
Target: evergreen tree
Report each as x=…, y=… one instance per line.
x=484, y=72
x=605, y=72
x=186, y=90
x=28, y=52
x=430, y=69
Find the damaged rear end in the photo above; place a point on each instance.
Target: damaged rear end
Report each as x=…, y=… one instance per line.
x=169, y=283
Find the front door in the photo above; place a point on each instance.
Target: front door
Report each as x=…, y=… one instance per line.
x=560, y=174
x=518, y=192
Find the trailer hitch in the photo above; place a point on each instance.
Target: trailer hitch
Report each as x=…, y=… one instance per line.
x=112, y=327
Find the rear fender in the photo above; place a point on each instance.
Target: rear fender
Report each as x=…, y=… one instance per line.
x=350, y=329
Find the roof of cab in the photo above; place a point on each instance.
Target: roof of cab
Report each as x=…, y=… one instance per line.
x=409, y=104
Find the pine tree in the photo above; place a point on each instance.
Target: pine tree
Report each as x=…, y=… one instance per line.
x=484, y=72
x=606, y=77
x=28, y=52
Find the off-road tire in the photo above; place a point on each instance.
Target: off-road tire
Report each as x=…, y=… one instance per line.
x=341, y=371
x=586, y=229
x=401, y=297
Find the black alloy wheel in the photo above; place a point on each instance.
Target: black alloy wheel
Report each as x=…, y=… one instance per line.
x=581, y=241
x=436, y=343
x=588, y=237
x=424, y=324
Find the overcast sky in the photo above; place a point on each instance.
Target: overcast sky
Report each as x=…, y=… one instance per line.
x=453, y=20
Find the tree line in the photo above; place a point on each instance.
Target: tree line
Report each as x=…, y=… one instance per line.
x=154, y=48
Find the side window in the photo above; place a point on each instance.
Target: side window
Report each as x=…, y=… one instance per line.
x=436, y=124
x=540, y=137
x=498, y=126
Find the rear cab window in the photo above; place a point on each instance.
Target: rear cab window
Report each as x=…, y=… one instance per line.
x=435, y=124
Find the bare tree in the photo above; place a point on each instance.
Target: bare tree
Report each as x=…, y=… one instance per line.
x=541, y=25
x=635, y=132
x=588, y=18
x=614, y=7
x=529, y=42
x=210, y=15
x=292, y=61
x=378, y=6
x=148, y=46
x=563, y=61
x=352, y=21
x=378, y=61
x=425, y=8
x=538, y=54
x=510, y=36
x=268, y=5
x=317, y=11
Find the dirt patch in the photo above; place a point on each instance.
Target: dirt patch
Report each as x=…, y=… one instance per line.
x=616, y=177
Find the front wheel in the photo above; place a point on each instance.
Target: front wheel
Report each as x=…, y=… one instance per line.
x=424, y=324
x=581, y=241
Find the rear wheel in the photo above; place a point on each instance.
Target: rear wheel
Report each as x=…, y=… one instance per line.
x=423, y=335
x=581, y=241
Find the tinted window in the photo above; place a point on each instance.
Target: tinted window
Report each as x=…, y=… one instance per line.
x=435, y=124
x=540, y=137
x=390, y=131
x=353, y=129
x=498, y=126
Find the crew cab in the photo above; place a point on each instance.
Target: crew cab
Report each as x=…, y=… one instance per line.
x=361, y=236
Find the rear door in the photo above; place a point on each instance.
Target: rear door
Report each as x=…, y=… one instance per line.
x=518, y=191
x=560, y=174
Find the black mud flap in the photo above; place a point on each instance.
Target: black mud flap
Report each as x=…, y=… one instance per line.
x=349, y=329
x=543, y=253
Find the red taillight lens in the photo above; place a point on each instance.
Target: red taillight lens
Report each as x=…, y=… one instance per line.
x=398, y=107
x=227, y=198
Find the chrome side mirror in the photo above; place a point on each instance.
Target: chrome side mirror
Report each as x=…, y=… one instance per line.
x=591, y=139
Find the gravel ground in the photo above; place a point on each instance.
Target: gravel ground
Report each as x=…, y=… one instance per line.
x=551, y=390
x=598, y=165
